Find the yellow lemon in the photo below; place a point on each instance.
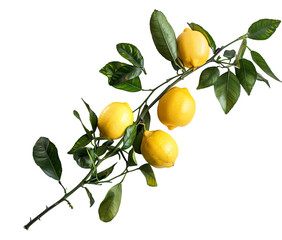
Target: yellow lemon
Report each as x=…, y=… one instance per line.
x=159, y=149
x=193, y=48
x=114, y=119
x=176, y=108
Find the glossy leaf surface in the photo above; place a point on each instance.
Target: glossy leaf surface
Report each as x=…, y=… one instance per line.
x=81, y=142
x=131, y=158
x=263, y=29
x=148, y=172
x=131, y=53
x=129, y=136
x=92, y=116
x=208, y=77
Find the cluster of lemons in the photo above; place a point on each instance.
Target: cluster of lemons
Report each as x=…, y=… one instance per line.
x=176, y=108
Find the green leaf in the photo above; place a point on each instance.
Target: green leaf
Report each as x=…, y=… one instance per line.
x=133, y=85
x=147, y=118
x=259, y=60
x=227, y=90
x=102, y=175
x=163, y=36
x=196, y=27
x=131, y=158
x=92, y=117
x=81, y=157
x=208, y=77
x=246, y=74
x=131, y=53
x=177, y=64
x=108, y=143
x=148, y=172
x=110, y=205
x=89, y=194
x=76, y=114
x=45, y=155
x=263, y=29
x=138, y=140
x=241, y=51
x=101, y=150
x=229, y=54
x=129, y=136
x=81, y=142
x=261, y=78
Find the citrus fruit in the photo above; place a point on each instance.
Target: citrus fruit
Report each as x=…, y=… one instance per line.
x=193, y=48
x=176, y=108
x=159, y=149
x=114, y=119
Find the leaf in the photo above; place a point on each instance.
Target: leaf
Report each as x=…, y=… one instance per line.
x=82, y=159
x=263, y=29
x=102, y=175
x=131, y=158
x=110, y=205
x=138, y=140
x=131, y=53
x=177, y=64
x=45, y=155
x=133, y=85
x=196, y=27
x=148, y=172
x=163, y=36
x=208, y=77
x=81, y=142
x=261, y=78
x=227, y=90
x=101, y=150
x=246, y=74
x=147, y=118
x=259, y=60
x=89, y=194
x=241, y=51
x=229, y=54
x=108, y=143
x=92, y=117
x=76, y=114
x=129, y=136
x=123, y=74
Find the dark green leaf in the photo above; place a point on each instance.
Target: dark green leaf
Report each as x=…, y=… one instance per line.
x=229, y=54
x=177, y=64
x=123, y=74
x=147, y=118
x=241, y=51
x=110, y=205
x=102, y=175
x=246, y=74
x=89, y=194
x=92, y=117
x=45, y=155
x=129, y=136
x=82, y=158
x=263, y=29
x=131, y=158
x=138, y=141
x=101, y=150
x=196, y=27
x=163, y=36
x=259, y=60
x=148, y=172
x=76, y=114
x=261, y=78
x=208, y=77
x=108, y=143
x=131, y=53
x=227, y=90
x=81, y=142
x=132, y=85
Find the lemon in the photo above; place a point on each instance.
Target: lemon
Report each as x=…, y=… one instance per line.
x=193, y=48
x=159, y=149
x=176, y=108
x=114, y=119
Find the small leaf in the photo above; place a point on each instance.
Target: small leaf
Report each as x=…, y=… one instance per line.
x=132, y=85
x=45, y=155
x=148, y=172
x=147, y=118
x=261, y=78
x=177, y=64
x=123, y=74
x=81, y=142
x=208, y=77
x=110, y=205
x=129, y=136
x=92, y=117
x=259, y=60
x=229, y=54
x=263, y=29
x=138, y=141
x=101, y=150
x=227, y=90
x=131, y=158
x=81, y=157
x=108, y=143
x=131, y=53
x=89, y=194
x=241, y=51
x=76, y=114
x=196, y=27
x=102, y=175
x=163, y=36
x=246, y=74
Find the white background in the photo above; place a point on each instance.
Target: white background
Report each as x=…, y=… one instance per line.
x=226, y=183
